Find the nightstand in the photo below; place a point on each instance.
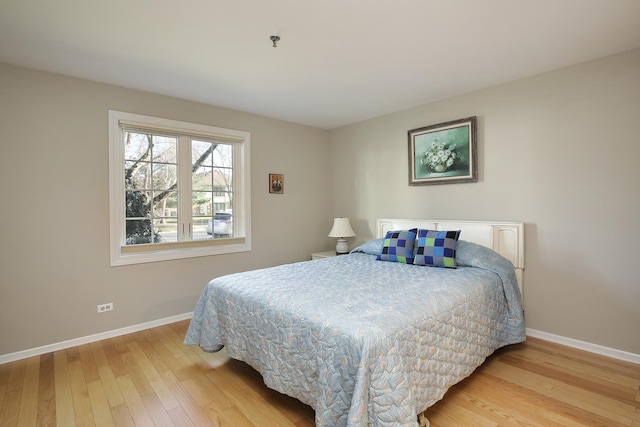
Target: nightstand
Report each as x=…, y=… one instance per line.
x=320, y=255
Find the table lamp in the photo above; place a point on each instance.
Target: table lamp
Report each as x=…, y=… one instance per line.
x=341, y=229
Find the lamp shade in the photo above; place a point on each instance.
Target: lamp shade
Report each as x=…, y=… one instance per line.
x=341, y=228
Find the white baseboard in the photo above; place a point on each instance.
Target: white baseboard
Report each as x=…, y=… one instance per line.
x=582, y=345
x=11, y=357
x=570, y=342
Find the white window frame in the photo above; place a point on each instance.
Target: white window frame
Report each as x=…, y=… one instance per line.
x=122, y=254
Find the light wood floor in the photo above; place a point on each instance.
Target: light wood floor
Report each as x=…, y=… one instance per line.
x=151, y=379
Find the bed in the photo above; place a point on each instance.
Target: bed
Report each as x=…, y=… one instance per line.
x=368, y=342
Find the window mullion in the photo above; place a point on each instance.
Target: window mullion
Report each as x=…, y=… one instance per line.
x=184, y=189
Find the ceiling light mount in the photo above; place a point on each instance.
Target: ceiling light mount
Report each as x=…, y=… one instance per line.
x=275, y=40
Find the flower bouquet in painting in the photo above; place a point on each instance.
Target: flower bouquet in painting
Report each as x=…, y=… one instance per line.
x=441, y=156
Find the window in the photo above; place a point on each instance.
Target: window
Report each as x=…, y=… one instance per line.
x=177, y=190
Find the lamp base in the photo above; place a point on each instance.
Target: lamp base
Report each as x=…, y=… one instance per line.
x=342, y=247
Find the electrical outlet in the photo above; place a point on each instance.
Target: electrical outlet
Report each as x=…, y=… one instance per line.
x=105, y=307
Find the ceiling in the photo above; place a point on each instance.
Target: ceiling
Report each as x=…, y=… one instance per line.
x=338, y=61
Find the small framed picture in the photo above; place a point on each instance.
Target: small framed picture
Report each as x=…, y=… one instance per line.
x=444, y=153
x=276, y=183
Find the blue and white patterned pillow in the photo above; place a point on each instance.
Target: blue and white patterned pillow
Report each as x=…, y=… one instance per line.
x=436, y=248
x=398, y=246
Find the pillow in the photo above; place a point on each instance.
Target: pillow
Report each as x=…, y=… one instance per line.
x=372, y=247
x=397, y=246
x=436, y=248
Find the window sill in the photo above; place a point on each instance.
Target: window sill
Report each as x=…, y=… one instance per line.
x=138, y=254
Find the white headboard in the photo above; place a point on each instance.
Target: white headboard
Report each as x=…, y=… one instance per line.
x=506, y=238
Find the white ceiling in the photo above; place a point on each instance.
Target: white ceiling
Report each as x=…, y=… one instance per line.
x=338, y=61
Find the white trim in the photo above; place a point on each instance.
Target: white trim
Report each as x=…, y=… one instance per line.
x=569, y=342
x=12, y=357
x=586, y=346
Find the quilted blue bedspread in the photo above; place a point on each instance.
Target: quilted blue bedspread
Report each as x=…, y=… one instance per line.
x=363, y=342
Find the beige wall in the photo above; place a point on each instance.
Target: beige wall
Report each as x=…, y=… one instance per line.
x=54, y=223
x=559, y=151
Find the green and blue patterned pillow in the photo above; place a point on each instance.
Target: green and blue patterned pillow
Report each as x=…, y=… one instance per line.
x=436, y=248
x=398, y=246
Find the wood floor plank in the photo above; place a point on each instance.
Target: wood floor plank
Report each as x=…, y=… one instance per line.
x=179, y=328
x=513, y=398
x=216, y=416
x=598, y=373
x=168, y=357
x=157, y=384
x=136, y=374
x=599, y=405
x=28, y=414
x=481, y=412
x=107, y=378
x=159, y=364
x=258, y=410
x=114, y=357
x=5, y=372
x=137, y=409
x=447, y=418
x=584, y=358
x=10, y=408
x=180, y=417
x=158, y=413
x=575, y=378
x=122, y=416
x=120, y=344
x=234, y=417
x=220, y=400
x=462, y=417
x=193, y=411
x=100, y=405
x=46, y=416
x=294, y=410
x=89, y=367
x=64, y=397
x=81, y=403
x=172, y=341
x=151, y=378
x=197, y=391
x=12, y=394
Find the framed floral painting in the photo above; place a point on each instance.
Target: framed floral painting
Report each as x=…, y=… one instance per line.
x=444, y=153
